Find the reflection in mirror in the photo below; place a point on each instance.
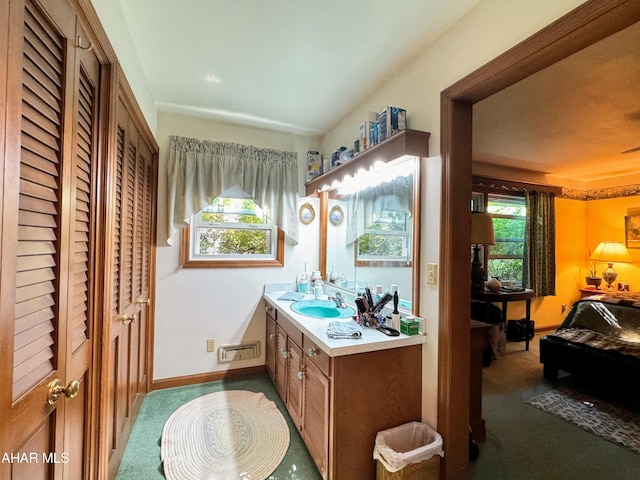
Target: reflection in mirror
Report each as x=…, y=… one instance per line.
x=373, y=247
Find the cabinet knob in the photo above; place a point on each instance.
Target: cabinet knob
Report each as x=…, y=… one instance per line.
x=312, y=351
x=127, y=319
x=301, y=375
x=284, y=352
x=268, y=309
x=272, y=336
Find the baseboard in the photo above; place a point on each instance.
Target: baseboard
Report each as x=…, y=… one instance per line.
x=206, y=377
x=547, y=328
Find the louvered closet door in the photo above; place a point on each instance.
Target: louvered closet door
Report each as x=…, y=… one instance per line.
x=46, y=259
x=134, y=188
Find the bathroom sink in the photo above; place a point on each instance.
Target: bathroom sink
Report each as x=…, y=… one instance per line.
x=321, y=309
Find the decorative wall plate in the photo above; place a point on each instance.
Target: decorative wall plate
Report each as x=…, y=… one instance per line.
x=336, y=215
x=307, y=213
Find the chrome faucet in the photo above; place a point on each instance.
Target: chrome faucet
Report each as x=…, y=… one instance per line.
x=339, y=300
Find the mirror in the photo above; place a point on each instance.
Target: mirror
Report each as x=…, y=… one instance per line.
x=369, y=218
x=370, y=235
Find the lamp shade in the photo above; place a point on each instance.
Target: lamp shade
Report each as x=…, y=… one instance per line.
x=611, y=252
x=482, y=228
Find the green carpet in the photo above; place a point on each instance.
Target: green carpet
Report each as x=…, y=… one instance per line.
x=141, y=460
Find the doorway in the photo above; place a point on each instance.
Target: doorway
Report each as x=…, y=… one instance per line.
x=587, y=24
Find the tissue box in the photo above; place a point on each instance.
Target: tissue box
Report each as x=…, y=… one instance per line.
x=390, y=121
x=409, y=327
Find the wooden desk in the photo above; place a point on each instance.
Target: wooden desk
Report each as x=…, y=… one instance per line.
x=504, y=298
x=479, y=341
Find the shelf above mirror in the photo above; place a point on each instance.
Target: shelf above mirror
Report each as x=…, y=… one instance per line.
x=406, y=142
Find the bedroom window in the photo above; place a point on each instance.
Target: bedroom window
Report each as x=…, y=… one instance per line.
x=232, y=232
x=505, y=258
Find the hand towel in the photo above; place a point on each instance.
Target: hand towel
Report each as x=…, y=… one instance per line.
x=348, y=329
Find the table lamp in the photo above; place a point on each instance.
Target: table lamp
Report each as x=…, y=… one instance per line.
x=610, y=252
x=481, y=233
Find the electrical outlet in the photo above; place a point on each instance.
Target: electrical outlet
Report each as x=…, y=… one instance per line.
x=432, y=273
x=211, y=344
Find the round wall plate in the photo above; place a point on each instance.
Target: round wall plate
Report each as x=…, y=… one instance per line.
x=336, y=215
x=307, y=213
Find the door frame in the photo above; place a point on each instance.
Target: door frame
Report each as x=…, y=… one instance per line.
x=585, y=25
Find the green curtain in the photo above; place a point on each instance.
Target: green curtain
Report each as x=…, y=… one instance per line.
x=539, y=272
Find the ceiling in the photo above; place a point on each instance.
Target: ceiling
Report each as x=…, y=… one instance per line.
x=293, y=65
x=570, y=120
x=301, y=65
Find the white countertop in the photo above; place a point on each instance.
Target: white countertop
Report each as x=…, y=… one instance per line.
x=316, y=329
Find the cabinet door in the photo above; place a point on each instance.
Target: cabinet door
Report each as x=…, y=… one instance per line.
x=315, y=428
x=270, y=350
x=281, y=363
x=295, y=378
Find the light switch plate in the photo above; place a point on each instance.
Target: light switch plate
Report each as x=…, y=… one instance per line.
x=432, y=273
x=211, y=344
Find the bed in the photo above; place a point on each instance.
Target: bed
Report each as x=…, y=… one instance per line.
x=598, y=339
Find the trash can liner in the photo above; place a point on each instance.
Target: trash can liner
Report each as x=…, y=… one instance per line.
x=412, y=442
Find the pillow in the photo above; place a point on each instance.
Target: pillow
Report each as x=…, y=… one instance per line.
x=596, y=316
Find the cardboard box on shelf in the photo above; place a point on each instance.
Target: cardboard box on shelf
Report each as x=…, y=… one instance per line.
x=314, y=165
x=368, y=131
x=391, y=120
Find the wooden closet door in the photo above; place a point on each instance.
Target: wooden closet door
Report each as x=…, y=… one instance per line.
x=134, y=192
x=46, y=281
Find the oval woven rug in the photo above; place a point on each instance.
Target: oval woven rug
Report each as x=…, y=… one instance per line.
x=233, y=434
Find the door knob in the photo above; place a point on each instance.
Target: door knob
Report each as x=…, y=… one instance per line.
x=56, y=389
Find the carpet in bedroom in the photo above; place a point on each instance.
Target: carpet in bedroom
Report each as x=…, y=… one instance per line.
x=524, y=443
x=593, y=414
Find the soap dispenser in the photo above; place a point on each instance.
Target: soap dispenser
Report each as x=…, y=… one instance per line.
x=318, y=291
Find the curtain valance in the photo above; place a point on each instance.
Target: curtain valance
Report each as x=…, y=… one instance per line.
x=200, y=170
x=366, y=205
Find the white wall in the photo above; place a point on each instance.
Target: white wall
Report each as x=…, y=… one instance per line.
x=115, y=25
x=222, y=303
x=489, y=29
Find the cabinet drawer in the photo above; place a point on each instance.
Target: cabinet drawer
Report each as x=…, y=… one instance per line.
x=319, y=358
x=292, y=331
x=271, y=312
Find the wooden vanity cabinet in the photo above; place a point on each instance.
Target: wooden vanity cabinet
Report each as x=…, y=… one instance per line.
x=339, y=404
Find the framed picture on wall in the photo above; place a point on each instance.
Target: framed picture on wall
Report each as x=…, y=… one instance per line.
x=632, y=230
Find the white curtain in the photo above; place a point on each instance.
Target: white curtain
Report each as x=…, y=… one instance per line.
x=365, y=206
x=200, y=170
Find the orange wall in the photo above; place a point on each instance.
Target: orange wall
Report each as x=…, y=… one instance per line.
x=605, y=221
x=581, y=226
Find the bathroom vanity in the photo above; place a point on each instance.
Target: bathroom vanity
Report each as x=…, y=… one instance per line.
x=341, y=392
